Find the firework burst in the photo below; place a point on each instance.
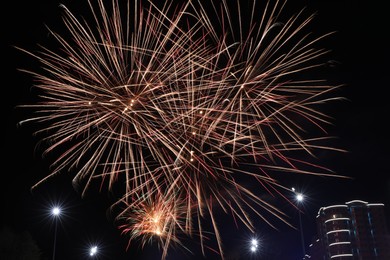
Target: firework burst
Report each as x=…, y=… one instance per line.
x=153, y=218
x=183, y=107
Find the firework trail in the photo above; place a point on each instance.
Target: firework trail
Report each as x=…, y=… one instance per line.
x=183, y=106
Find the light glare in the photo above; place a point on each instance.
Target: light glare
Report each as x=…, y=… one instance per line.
x=56, y=211
x=254, y=245
x=93, y=251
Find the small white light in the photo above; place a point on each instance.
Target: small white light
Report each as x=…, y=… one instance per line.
x=56, y=211
x=254, y=242
x=254, y=245
x=93, y=251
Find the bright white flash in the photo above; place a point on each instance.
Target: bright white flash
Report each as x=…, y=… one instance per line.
x=93, y=251
x=56, y=211
x=254, y=245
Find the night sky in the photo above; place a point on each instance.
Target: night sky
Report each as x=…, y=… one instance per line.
x=359, y=58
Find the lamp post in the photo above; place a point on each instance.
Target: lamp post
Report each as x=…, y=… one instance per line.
x=56, y=212
x=299, y=199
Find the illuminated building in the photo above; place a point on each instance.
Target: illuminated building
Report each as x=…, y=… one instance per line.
x=356, y=230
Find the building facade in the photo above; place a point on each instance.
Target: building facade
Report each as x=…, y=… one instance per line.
x=356, y=230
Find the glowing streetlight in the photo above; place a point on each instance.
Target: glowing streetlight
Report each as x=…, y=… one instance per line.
x=254, y=245
x=55, y=212
x=300, y=198
x=93, y=250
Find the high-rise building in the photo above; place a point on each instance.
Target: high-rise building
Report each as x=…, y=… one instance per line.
x=356, y=230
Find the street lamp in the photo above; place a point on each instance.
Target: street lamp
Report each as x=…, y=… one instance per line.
x=55, y=212
x=300, y=198
x=254, y=246
x=93, y=250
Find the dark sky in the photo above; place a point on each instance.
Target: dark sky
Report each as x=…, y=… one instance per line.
x=359, y=59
